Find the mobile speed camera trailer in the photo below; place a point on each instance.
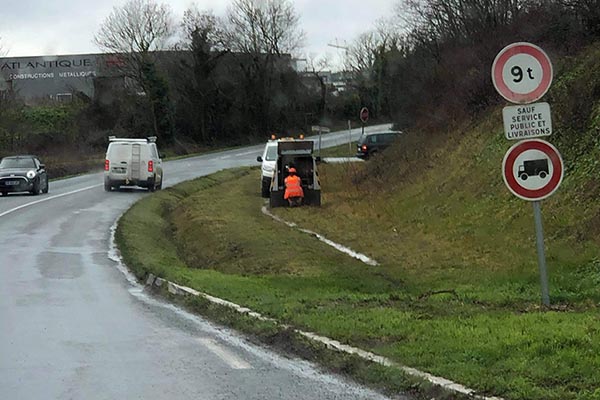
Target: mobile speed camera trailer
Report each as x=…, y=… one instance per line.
x=297, y=154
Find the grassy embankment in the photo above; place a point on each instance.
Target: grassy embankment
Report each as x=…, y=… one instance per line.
x=457, y=291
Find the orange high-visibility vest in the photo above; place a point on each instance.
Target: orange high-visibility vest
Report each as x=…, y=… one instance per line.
x=293, y=187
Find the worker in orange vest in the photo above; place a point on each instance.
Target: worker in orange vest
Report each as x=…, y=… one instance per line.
x=293, y=188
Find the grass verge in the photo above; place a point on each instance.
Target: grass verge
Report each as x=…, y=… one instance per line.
x=457, y=292
x=265, y=246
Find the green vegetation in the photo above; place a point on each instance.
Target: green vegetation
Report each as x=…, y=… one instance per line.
x=485, y=330
x=457, y=292
x=343, y=150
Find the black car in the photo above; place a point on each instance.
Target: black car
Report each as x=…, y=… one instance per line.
x=370, y=144
x=23, y=174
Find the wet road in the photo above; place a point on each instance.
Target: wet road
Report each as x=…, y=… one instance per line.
x=72, y=326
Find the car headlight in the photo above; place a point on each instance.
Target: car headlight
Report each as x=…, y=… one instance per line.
x=31, y=174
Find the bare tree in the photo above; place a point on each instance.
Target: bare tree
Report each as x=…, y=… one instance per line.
x=203, y=24
x=267, y=26
x=197, y=81
x=265, y=33
x=318, y=67
x=133, y=32
x=139, y=26
x=458, y=19
x=362, y=53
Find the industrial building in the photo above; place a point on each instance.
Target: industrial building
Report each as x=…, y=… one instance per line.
x=57, y=78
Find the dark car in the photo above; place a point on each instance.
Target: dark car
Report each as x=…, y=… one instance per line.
x=23, y=174
x=370, y=144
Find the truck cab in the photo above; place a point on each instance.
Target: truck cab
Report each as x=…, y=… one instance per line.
x=297, y=154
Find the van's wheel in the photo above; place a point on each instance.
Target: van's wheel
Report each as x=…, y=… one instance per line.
x=107, y=185
x=264, y=189
x=159, y=187
x=151, y=185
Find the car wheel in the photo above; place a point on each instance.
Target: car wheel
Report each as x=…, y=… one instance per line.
x=36, y=188
x=46, y=187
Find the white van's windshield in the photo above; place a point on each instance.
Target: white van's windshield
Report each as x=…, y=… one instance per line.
x=271, y=153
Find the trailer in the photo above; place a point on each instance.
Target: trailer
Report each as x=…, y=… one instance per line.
x=297, y=154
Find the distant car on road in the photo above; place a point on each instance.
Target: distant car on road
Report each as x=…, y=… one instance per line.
x=23, y=174
x=371, y=144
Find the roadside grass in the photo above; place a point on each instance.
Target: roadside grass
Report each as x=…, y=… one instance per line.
x=343, y=150
x=456, y=293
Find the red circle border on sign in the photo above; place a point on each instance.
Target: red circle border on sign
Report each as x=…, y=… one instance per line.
x=503, y=57
x=364, y=114
x=557, y=169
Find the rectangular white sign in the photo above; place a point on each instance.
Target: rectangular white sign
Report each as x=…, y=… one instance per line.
x=527, y=121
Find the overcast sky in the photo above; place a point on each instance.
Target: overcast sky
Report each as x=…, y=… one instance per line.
x=59, y=27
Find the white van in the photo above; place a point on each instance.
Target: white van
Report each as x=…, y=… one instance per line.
x=268, y=160
x=132, y=162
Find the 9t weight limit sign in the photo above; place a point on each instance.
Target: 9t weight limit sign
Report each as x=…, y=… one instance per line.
x=522, y=73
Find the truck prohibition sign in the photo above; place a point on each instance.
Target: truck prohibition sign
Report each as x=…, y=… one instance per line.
x=532, y=169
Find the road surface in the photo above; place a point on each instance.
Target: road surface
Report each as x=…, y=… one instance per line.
x=73, y=327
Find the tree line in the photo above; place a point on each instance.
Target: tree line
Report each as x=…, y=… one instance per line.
x=219, y=80
x=430, y=65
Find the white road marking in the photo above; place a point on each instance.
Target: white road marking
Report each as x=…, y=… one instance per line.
x=229, y=358
x=12, y=210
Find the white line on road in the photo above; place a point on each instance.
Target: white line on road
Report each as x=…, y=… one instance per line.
x=12, y=210
x=229, y=358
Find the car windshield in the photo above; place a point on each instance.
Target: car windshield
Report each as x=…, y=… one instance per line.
x=17, y=163
x=271, y=153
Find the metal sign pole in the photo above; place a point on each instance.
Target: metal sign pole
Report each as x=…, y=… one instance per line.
x=539, y=234
x=320, y=131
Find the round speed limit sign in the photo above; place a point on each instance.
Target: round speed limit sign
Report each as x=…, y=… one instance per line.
x=522, y=73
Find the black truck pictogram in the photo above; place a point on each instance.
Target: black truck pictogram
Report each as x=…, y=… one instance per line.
x=534, y=168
